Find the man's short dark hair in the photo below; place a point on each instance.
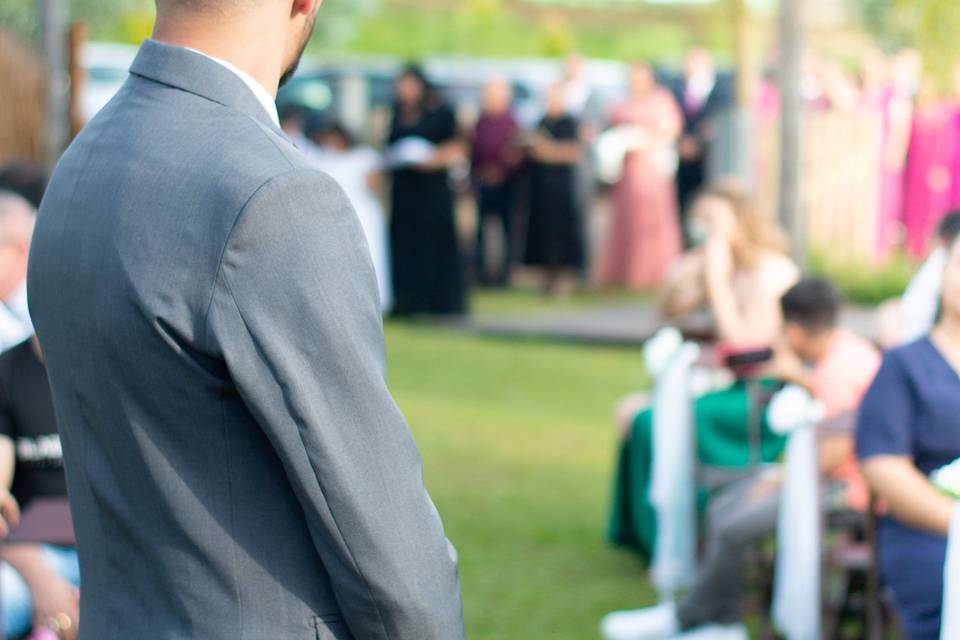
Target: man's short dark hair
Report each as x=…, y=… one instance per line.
x=201, y=5
x=26, y=179
x=949, y=229
x=812, y=303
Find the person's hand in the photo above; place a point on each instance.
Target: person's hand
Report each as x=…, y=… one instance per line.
x=627, y=410
x=788, y=366
x=56, y=605
x=718, y=262
x=491, y=175
x=688, y=148
x=768, y=483
x=444, y=157
x=9, y=513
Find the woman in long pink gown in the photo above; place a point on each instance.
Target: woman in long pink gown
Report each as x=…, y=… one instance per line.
x=644, y=239
x=929, y=176
x=897, y=106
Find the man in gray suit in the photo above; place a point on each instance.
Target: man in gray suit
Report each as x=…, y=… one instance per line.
x=208, y=311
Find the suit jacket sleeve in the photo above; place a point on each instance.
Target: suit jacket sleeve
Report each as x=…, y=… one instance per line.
x=295, y=316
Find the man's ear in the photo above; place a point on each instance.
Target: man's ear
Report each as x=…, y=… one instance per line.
x=304, y=7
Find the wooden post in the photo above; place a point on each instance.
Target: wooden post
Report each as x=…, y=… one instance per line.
x=791, y=55
x=743, y=46
x=78, y=77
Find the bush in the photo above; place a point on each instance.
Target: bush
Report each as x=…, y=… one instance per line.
x=862, y=282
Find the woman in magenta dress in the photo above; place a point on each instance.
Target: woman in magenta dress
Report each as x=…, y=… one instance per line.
x=644, y=237
x=930, y=161
x=955, y=107
x=897, y=107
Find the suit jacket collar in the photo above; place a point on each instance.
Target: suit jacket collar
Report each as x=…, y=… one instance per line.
x=200, y=75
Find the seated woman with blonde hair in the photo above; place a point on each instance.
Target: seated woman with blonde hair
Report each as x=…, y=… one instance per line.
x=738, y=272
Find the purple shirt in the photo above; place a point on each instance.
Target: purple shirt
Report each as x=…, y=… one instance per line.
x=493, y=139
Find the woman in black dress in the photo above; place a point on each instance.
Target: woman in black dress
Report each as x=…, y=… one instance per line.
x=554, y=230
x=428, y=274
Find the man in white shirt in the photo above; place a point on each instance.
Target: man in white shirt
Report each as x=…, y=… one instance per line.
x=17, y=217
x=921, y=301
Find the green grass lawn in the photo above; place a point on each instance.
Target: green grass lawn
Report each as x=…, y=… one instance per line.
x=515, y=301
x=518, y=447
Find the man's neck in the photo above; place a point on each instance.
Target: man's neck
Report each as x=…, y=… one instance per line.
x=246, y=48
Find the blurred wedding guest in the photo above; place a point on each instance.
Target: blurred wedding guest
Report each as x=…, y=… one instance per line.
x=293, y=122
x=906, y=68
x=701, y=100
x=495, y=158
x=554, y=240
x=644, y=237
x=356, y=168
x=38, y=583
x=427, y=266
x=907, y=429
x=26, y=179
x=929, y=171
x=17, y=218
x=836, y=367
x=738, y=270
x=577, y=93
x=583, y=105
x=921, y=301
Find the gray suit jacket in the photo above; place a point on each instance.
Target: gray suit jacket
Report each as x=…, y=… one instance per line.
x=208, y=311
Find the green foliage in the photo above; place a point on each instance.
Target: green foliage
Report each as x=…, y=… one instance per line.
x=502, y=28
x=928, y=25
x=863, y=283
x=498, y=28
x=132, y=20
x=518, y=447
x=106, y=18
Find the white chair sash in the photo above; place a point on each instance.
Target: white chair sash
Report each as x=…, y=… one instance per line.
x=673, y=477
x=796, y=600
x=950, y=615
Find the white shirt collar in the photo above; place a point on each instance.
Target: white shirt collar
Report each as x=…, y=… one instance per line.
x=259, y=91
x=700, y=85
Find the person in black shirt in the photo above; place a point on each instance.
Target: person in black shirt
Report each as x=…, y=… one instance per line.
x=555, y=241
x=39, y=583
x=428, y=277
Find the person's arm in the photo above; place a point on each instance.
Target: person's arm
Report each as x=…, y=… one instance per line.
x=908, y=494
x=885, y=444
x=451, y=148
x=683, y=291
x=727, y=315
x=921, y=300
x=555, y=151
x=671, y=126
x=835, y=450
x=56, y=602
x=9, y=509
x=7, y=460
x=445, y=155
x=295, y=315
x=901, y=123
x=51, y=595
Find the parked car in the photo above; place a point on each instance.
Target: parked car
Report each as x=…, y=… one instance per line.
x=106, y=66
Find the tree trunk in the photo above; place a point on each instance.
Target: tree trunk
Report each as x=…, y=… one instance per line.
x=53, y=19
x=791, y=53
